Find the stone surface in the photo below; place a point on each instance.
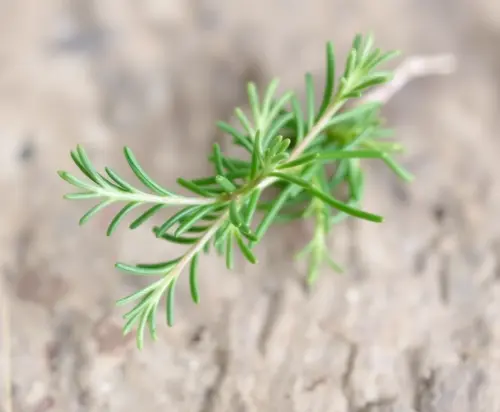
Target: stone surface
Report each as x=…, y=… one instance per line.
x=414, y=325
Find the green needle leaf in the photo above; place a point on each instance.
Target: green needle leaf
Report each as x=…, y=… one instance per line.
x=81, y=196
x=393, y=165
x=234, y=215
x=350, y=154
x=245, y=231
x=120, y=216
x=373, y=80
x=268, y=97
x=148, y=269
x=379, y=59
x=351, y=115
x=245, y=122
x=96, y=209
x=329, y=80
x=237, y=174
x=193, y=279
x=146, y=215
x=129, y=324
x=351, y=63
x=68, y=177
x=279, y=158
x=152, y=322
x=396, y=168
x=253, y=97
x=229, y=251
x=88, y=172
x=274, y=144
x=300, y=161
x=283, y=146
x=139, y=294
x=226, y=185
x=279, y=105
x=252, y=206
x=76, y=159
x=87, y=165
x=277, y=125
x=299, y=117
x=220, y=236
x=355, y=181
x=119, y=181
x=140, y=329
x=229, y=165
x=357, y=42
x=328, y=199
x=141, y=174
x=170, y=302
x=237, y=136
x=256, y=157
x=136, y=311
x=365, y=52
x=334, y=265
x=310, y=100
x=219, y=167
x=182, y=240
x=195, y=217
x=245, y=249
x=273, y=212
x=188, y=211
x=193, y=187
x=198, y=229
x=242, y=166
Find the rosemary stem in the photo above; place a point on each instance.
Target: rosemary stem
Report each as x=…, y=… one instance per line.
x=316, y=129
x=188, y=256
x=149, y=198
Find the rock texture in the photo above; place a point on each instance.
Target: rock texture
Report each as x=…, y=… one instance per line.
x=414, y=325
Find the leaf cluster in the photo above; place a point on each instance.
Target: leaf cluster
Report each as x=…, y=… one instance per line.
x=310, y=154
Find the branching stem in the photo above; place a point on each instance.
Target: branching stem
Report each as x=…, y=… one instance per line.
x=198, y=246
x=154, y=199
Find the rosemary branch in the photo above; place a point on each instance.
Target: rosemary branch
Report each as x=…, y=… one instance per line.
x=290, y=149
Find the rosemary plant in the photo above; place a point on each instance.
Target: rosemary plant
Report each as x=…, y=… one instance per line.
x=307, y=154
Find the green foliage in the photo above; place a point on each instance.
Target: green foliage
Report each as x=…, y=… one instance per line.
x=309, y=155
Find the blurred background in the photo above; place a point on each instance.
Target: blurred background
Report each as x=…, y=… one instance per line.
x=413, y=325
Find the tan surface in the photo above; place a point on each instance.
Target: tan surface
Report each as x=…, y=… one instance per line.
x=414, y=324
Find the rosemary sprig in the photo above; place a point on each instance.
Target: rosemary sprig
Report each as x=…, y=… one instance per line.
x=305, y=154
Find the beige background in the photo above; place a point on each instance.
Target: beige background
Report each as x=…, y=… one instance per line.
x=414, y=325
